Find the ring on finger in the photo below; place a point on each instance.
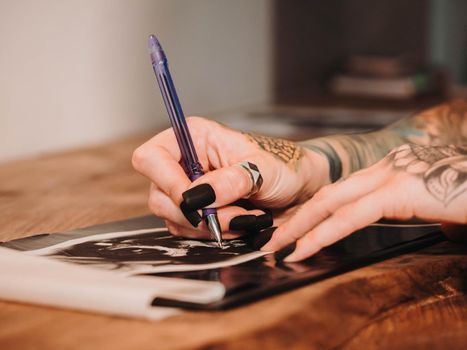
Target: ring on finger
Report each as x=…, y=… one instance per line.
x=255, y=176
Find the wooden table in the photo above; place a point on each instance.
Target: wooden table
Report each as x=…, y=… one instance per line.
x=413, y=301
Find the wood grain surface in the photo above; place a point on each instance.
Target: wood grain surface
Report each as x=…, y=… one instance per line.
x=415, y=301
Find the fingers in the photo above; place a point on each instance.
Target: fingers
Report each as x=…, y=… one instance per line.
x=227, y=214
x=231, y=218
x=160, y=165
x=173, y=196
x=164, y=207
x=229, y=183
x=343, y=222
x=185, y=231
x=253, y=220
x=322, y=205
x=158, y=159
x=234, y=222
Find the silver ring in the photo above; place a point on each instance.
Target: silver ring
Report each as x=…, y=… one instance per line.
x=255, y=176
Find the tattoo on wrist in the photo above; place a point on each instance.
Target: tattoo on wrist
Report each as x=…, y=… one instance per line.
x=442, y=168
x=335, y=163
x=287, y=151
x=355, y=151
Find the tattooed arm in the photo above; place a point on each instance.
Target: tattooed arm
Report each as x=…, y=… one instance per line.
x=442, y=125
x=426, y=182
x=291, y=173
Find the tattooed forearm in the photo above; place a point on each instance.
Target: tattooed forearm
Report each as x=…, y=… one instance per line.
x=442, y=168
x=287, y=151
x=442, y=125
x=349, y=153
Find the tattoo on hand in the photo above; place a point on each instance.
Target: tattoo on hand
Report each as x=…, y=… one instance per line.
x=442, y=168
x=287, y=151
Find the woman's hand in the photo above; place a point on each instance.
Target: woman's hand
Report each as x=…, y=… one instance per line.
x=426, y=182
x=290, y=173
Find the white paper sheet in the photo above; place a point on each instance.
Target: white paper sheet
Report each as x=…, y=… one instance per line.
x=102, y=272
x=35, y=279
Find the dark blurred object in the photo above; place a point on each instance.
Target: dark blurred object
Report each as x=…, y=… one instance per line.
x=380, y=66
x=388, y=77
x=313, y=38
x=455, y=232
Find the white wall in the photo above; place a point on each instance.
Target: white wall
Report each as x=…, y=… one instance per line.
x=77, y=72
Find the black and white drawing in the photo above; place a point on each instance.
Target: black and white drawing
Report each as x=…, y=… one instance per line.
x=148, y=251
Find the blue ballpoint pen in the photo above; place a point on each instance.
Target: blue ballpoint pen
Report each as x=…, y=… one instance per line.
x=182, y=134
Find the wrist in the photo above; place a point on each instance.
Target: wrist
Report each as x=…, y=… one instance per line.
x=314, y=172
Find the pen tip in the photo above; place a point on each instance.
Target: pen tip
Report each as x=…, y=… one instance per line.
x=214, y=228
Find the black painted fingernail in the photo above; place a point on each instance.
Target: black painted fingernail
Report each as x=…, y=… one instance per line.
x=285, y=252
x=264, y=221
x=191, y=215
x=199, y=196
x=261, y=238
x=242, y=222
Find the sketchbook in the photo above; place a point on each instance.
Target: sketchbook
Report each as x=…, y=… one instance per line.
x=137, y=268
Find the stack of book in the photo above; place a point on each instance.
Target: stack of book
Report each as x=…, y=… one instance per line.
x=390, y=77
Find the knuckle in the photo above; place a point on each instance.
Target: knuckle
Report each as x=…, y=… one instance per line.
x=289, y=233
x=234, y=180
x=295, y=236
x=347, y=215
x=201, y=127
x=316, y=239
x=405, y=146
x=174, y=192
x=155, y=205
x=139, y=157
x=309, y=244
x=194, y=121
x=198, y=127
x=278, y=241
x=241, y=182
x=323, y=193
x=173, y=229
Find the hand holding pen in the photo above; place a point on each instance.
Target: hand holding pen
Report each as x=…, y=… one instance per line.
x=234, y=160
x=189, y=157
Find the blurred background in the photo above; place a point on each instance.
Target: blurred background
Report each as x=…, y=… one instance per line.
x=77, y=73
